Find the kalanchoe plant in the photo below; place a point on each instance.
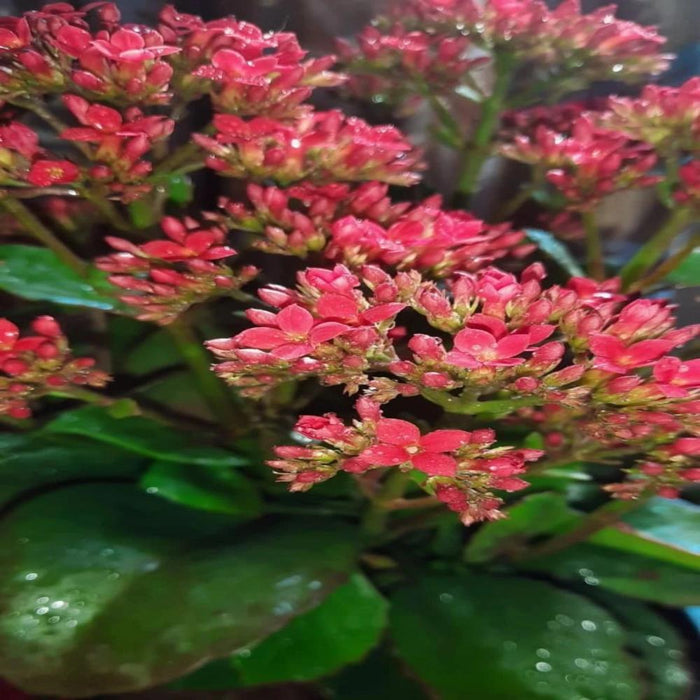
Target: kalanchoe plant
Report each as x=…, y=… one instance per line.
x=493, y=449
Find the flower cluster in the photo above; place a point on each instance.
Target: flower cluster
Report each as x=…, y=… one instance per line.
x=569, y=359
x=358, y=225
x=119, y=142
x=47, y=50
x=667, y=118
x=163, y=278
x=23, y=161
x=588, y=165
x=34, y=365
x=572, y=45
x=246, y=71
x=319, y=147
x=461, y=468
x=403, y=66
x=688, y=191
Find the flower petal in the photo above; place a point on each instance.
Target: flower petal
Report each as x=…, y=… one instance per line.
x=435, y=464
x=444, y=440
x=392, y=431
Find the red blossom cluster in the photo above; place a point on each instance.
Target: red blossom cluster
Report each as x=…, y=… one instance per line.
x=320, y=147
x=587, y=165
x=570, y=359
x=163, y=278
x=119, y=142
x=34, y=365
x=23, y=161
x=461, y=468
x=246, y=71
x=667, y=118
x=688, y=191
x=573, y=45
x=48, y=50
x=405, y=66
x=358, y=225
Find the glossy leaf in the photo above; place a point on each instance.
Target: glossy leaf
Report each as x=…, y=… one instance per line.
x=140, y=435
x=538, y=514
x=207, y=488
x=36, y=273
x=687, y=274
x=657, y=644
x=555, y=249
x=501, y=638
x=106, y=589
x=338, y=632
x=380, y=676
x=29, y=461
x=622, y=572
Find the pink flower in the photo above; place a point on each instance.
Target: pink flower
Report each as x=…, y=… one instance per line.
x=400, y=442
x=291, y=333
x=45, y=173
x=612, y=355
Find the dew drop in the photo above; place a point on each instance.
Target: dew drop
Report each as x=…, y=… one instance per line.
x=543, y=653
x=244, y=653
x=54, y=619
x=42, y=599
x=152, y=489
x=589, y=625
x=41, y=611
x=314, y=585
x=58, y=604
x=581, y=663
x=31, y=576
x=655, y=641
x=71, y=623
x=509, y=646
x=618, y=68
x=446, y=597
x=283, y=608
x=543, y=667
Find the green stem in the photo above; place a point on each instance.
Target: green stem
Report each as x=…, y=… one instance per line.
x=479, y=149
x=667, y=267
x=608, y=514
x=37, y=229
x=455, y=404
x=655, y=247
x=107, y=209
x=375, y=519
x=211, y=388
x=594, y=247
x=179, y=157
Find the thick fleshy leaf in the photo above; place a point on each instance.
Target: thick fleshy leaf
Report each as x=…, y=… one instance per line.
x=622, y=572
x=665, y=664
x=687, y=274
x=36, y=273
x=379, y=677
x=556, y=250
x=140, y=435
x=338, y=632
x=502, y=638
x=538, y=514
x=106, y=589
x=29, y=461
x=208, y=488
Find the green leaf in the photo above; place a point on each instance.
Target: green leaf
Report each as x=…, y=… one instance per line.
x=179, y=188
x=29, y=461
x=669, y=520
x=657, y=644
x=556, y=250
x=502, y=638
x=196, y=486
x=36, y=273
x=106, y=589
x=140, y=435
x=338, y=632
x=622, y=572
x=378, y=677
x=687, y=274
x=538, y=514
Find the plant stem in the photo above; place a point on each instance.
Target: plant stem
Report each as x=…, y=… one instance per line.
x=608, y=514
x=594, y=247
x=478, y=150
x=107, y=209
x=211, y=388
x=667, y=267
x=655, y=247
x=375, y=519
x=178, y=158
x=455, y=404
x=37, y=229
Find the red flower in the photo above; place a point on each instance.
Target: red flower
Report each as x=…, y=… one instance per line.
x=45, y=173
x=612, y=355
x=291, y=333
x=400, y=442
